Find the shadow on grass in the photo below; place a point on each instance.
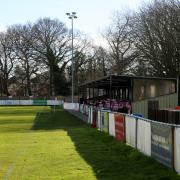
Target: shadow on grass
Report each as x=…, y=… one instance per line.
x=59, y=119
x=108, y=158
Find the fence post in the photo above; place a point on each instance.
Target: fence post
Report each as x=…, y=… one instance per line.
x=173, y=149
x=136, y=132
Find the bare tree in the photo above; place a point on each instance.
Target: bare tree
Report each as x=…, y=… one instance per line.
x=103, y=61
x=84, y=54
x=7, y=59
x=156, y=29
x=52, y=43
x=93, y=65
x=19, y=87
x=22, y=43
x=121, y=44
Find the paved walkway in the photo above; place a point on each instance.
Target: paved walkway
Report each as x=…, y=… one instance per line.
x=78, y=114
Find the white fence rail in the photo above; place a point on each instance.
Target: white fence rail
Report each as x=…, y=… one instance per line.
x=144, y=137
x=177, y=149
x=158, y=140
x=30, y=102
x=71, y=106
x=131, y=131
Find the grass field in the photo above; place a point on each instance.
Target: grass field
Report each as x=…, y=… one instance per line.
x=36, y=143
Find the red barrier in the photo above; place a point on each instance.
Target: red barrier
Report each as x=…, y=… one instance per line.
x=177, y=107
x=120, y=127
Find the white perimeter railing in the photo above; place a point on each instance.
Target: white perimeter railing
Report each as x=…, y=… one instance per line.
x=31, y=102
x=159, y=140
x=71, y=106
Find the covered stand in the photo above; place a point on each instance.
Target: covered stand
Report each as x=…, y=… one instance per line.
x=117, y=93
x=111, y=92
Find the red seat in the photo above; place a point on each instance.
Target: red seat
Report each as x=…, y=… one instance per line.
x=177, y=108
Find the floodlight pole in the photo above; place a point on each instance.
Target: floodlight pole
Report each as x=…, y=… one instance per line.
x=72, y=16
x=72, y=62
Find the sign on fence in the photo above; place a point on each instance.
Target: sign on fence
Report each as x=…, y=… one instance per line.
x=102, y=121
x=94, y=118
x=91, y=120
x=131, y=134
x=30, y=102
x=177, y=149
x=111, y=124
x=40, y=102
x=25, y=102
x=54, y=102
x=71, y=106
x=81, y=107
x=99, y=119
x=161, y=143
x=89, y=115
x=120, y=127
x=144, y=137
x=105, y=127
x=86, y=109
x=151, y=138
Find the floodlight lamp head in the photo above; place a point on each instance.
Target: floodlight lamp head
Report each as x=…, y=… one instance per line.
x=70, y=17
x=73, y=13
x=68, y=14
x=75, y=17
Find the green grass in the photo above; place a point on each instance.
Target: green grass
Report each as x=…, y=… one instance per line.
x=36, y=143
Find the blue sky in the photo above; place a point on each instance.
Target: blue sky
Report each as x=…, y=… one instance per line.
x=93, y=15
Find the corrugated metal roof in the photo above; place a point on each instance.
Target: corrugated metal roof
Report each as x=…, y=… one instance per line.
x=118, y=81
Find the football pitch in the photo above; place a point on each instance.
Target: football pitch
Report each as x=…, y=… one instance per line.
x=38, y=143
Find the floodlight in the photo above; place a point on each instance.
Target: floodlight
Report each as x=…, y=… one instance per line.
x=72, y=16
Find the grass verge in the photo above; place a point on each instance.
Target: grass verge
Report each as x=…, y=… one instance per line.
x=39, y=144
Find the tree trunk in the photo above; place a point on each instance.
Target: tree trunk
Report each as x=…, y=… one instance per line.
x=28, y=81
x=5, y=82
x=29, y=86
x=51, y=81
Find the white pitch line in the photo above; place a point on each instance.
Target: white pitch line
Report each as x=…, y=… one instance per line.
x=9, y=171
x=11, y=167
